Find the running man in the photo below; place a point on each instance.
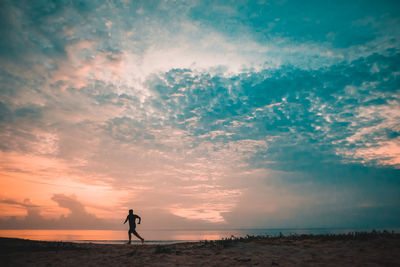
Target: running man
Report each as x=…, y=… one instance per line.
x=132, y=225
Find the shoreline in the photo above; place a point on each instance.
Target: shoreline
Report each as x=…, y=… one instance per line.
x=161, y=236
x=372, y=249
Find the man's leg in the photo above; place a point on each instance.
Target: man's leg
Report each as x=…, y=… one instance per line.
x=138, y=236
x=129, y=234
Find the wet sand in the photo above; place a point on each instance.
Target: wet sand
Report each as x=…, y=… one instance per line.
x=339, y=250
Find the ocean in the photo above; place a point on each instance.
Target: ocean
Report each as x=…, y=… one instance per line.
x=162, y=236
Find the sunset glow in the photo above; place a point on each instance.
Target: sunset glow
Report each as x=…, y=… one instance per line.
x=199, y=115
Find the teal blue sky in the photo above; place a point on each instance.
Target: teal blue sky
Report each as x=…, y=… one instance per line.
x=200, y=113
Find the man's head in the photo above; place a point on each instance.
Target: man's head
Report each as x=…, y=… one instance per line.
x=130, y=211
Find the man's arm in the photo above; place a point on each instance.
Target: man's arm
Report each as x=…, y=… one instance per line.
x=140, y=219
x=126, y=219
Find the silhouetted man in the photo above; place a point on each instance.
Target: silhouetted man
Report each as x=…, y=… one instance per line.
x=132, y=225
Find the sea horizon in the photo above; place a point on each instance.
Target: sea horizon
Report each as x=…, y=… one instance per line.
x=164, y=236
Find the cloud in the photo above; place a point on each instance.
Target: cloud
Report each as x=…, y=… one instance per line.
x=25, y=204
x=78, y=217
x=197, y=120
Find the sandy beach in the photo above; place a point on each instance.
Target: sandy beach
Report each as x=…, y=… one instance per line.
x=338, y=250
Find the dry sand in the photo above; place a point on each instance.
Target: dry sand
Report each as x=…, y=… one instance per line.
x=368, y=250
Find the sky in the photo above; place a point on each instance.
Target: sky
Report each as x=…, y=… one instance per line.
x=199, y=114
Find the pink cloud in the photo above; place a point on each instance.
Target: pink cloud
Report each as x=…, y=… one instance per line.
x=85, y=64
x=385, y=153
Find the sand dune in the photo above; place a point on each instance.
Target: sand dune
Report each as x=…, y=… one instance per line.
x=345, y=250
